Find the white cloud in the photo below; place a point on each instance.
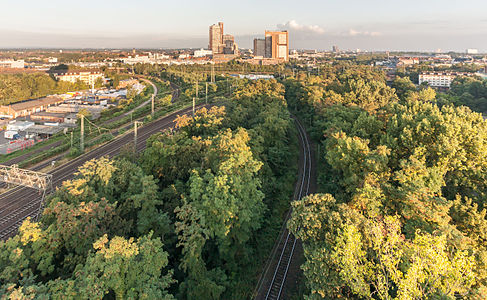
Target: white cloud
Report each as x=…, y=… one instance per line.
x=353, y=32
x=293, y=25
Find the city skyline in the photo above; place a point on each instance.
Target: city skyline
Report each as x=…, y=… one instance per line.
x=352, y=24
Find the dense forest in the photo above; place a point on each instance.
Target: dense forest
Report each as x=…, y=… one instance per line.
x=468, y=91
x=184, y=219
x=401, y=212
x=24, y=86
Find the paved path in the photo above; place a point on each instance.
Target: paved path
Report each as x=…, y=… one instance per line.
x=145, y=102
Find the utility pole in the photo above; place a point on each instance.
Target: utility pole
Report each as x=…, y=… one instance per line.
x=82, y=136
x=71, y=139
x=194, y=104
x=213, y=73
x=206, y=97
x=196, y=94
x=135, y=134
x=152, y=105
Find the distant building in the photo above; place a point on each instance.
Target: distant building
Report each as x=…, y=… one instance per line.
x=52, y=60
x=229, y=44
x=150, y=58
x=12, y=64
x=335, y=49
x=88, y=77
x=439, y=79
x=259, y=47
x=202, y=53
x=220, y=43
x=137, y=59
x=277, y=45
x=472, y=51
x=256, y=76
x=407, y=61
x=123, y=84
x=216, y=38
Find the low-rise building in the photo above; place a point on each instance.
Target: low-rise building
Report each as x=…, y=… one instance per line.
x=202, y=53
x=19, y=125
x=94, y=110
x=123, y=84
x=439, y=79
x=407, y=61
x=12, y=64
x=29, y=107
x=48, y=117
x=88, y=77
x=70, y=118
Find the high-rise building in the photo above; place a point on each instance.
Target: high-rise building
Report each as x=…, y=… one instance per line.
x=259, y=47
x=216, y=38
x=221, y=43
x=277, y=45
x=472, y=51
x=229, y=44
x=335, y=49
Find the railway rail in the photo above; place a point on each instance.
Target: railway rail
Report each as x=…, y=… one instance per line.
x=19, y=203
x=272, y=283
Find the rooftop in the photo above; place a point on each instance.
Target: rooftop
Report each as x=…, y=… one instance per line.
x=49, y=114
x=19, y=106
x=75, y=72
x=44, y=129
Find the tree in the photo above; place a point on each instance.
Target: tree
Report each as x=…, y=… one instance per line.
x=227, y=193
x=431, y=271
x=408, y=177
x=131, y=269
x=192, y=236
x=369, y=257
x=131, y=92
x=403, y=86
x=165, y=101
x=99, y=83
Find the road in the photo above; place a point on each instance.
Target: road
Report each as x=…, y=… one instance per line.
x=20, y=203
x=281, y=268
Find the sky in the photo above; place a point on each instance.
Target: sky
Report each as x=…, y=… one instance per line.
x=414, y=25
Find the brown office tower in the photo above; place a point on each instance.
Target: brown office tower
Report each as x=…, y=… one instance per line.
x=277, y=45
x=216, y=38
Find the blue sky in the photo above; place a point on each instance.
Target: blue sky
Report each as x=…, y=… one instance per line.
x=350, y=24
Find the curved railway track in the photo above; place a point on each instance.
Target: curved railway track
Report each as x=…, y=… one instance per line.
x=273, y=281
x=20, y=202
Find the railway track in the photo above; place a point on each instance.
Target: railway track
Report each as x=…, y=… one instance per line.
x=273, y=281
x=20, y=202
